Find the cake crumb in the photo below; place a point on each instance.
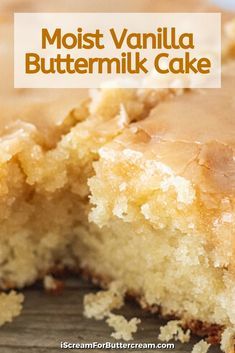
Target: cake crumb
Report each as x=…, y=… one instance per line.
x=123, y=328
x=100, y=304
x=201, y=347
x=173, y=330
x=52, y=285
x=10, y=306
x=228, y=340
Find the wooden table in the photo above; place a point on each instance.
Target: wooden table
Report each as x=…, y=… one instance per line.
x=48, y=319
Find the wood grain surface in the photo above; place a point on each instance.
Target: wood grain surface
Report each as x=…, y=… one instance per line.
x=48, y=319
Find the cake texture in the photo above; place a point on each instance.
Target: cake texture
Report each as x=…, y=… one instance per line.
x=136, y=192
x=163, y=196
x=128, y=185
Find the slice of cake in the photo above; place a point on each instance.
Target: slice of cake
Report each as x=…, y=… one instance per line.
x=163, y=207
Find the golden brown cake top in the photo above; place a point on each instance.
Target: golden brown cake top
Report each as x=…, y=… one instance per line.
x=45, y=108
x=194, y=134
x=200, y=116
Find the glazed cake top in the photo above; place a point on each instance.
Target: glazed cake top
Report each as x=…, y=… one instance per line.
x=200, y=116
x=194, y=134
x=45, y=108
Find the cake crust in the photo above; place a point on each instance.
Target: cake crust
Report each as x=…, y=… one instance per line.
x=211, y=332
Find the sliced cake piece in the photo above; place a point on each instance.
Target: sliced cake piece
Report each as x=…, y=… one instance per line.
x=163, y=197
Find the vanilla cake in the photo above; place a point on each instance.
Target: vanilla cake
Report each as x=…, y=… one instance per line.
x=134, y=186
x=140, y=190
x=163, y=200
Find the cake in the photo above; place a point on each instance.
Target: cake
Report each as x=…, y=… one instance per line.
x=163, y=200
x=132, y=186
